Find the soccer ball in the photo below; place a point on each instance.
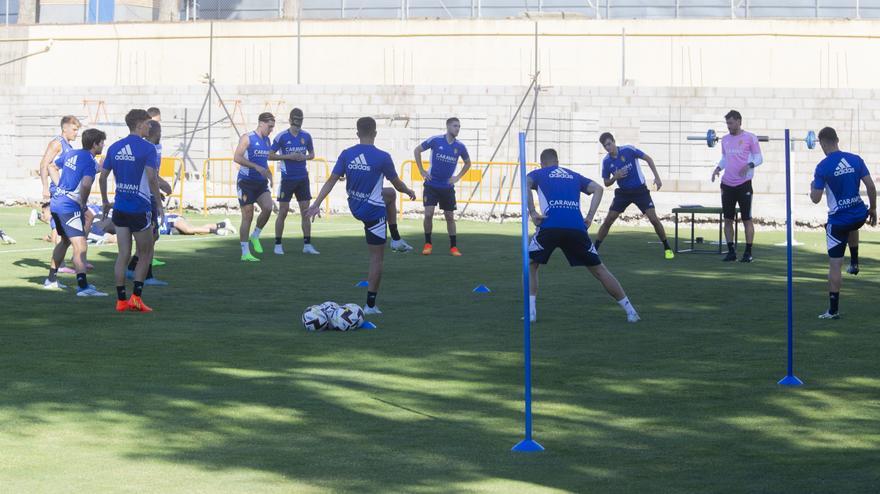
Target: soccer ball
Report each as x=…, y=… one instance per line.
x=328, y=308
x=349, y=316
x=314, y=319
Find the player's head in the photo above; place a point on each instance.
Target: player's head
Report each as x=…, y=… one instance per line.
x=366, y=129
x=154, y=113
x=70, y=127
x=453, y=126
x=734, y=121
x=93, y=140
x=828, y=140
x=136, y=120
x=549, y=158
x=154, y=134
x=607, y=142
x=296, y=118
x=265, y=123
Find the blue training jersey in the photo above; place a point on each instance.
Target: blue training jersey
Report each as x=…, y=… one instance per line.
x=628, y=160
x=559, y=194
x=287, y=143
x=258, y=153
x=65, y=147
x=840, y=175
x=75, y=165
x=444, y=159
x=128, y=159
x=364, y=167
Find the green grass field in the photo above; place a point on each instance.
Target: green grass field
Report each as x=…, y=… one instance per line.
x=221, y=390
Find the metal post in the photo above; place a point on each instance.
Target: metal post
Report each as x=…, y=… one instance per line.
x=858, y=10
x=790, y=379
x=677, y=8
x=623, y=57
x=817, y=9
x=298, y=42
x=210, y=83
x=537, y=89
x=607, y=9
x=7, y=12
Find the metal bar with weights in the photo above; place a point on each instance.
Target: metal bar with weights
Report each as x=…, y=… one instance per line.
x=711, y=138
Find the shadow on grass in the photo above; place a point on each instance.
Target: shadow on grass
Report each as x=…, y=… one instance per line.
x=222, y=376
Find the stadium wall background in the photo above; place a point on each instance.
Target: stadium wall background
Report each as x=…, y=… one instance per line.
x=649, y=82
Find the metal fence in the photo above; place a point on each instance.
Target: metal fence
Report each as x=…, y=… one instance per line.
x=9, y=14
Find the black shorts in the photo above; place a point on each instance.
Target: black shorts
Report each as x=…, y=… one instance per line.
x=838, y=236
x=70, y=225
x=136, y=222
x=444, y=196
x=641, y=197
x=249, y=191
x=375, y=231
x=741, y=194
x=575, y=244
x=298, y=188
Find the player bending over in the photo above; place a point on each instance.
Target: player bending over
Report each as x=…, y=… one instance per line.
x=559, y=224
x=364, y=166
x=839, y=176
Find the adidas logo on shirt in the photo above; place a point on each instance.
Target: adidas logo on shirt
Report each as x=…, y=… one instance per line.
x=359, y=163
x=843, y=168
x=71, y=163
x=560, y=173
x=124, y=154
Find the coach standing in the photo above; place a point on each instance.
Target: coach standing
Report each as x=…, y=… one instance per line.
x=740, y=154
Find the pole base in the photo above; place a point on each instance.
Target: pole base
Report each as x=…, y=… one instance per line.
x=791, y=380
x=528, y=446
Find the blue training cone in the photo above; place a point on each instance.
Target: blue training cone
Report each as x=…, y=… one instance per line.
x=482, y=289
x=362, y=284
x=367, y=325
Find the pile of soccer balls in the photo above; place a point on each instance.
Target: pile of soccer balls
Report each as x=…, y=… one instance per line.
x=331, y=315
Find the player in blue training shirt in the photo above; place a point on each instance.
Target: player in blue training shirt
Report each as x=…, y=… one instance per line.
x=254, y=180
x=560, y=224
x=621, y=165
x=68, y=206
x=365, y=167
x=132, y=160
x=439, y=187
x=294, y=148
x=839, y=176
x=49, y=173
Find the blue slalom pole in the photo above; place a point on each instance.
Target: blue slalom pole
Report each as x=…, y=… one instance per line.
x=528, y=444
x=790, y=379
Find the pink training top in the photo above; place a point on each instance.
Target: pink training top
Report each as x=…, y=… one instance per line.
x=736, y=153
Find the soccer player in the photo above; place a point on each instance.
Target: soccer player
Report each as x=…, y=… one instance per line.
x=154, y=113
x=133, y=163
x=295, y=148
x=439, y=187
x=176, y=224
x=364, y=166
x=5, y=238
x=839, y=176
x=740, y=154
x=560, y=224
x=254, y=179
x=48, y=171
x=68, y=205
x=621, y=165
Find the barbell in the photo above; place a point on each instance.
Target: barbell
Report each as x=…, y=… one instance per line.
x=711, y=138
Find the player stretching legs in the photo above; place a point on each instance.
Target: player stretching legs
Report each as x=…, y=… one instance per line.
x=841, y=174
x=560, y=225
x=365, y=166
x=254, y=181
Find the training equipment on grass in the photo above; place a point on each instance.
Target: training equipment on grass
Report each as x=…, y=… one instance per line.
x=362, y=284
x=790, y=379
x=482, y=289
x=711, y=138
x=367, y=325
x=314, y=319
x=347, y=317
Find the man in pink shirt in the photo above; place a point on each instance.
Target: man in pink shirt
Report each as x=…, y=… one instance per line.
x=740, y=154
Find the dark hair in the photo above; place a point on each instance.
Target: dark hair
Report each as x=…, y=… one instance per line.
x=91, y=137
x=604, y=137
x=296, y=114
x=549, y=154
x=134, y=117
x=266, y=117
x=828, y=135
x=155, y=128
x=66, y=119
x=153, y=111
x=366, y=125
x=452, y=119
x=734, y=115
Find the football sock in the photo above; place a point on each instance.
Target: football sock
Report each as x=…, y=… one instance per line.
x=245, y=250
x=138, y=288
x=853, y=255
x=597, y=244
x=730, y=247
x=133, y=263
x=427, y=238
x=395, y=235
x=120, y=293
x=452, y=241
x=666, y=245
x=257, y=232
x=277, y=240
x=748, y=248
x=81, y=281
x=53, y=275
x=371, y=299
x=307, y=240
x=834, y=299
x=627, y=306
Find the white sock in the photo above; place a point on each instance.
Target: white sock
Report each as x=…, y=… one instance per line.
x=257, y=232
x=532, y=299
x=245, y=250
x=627, y=306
